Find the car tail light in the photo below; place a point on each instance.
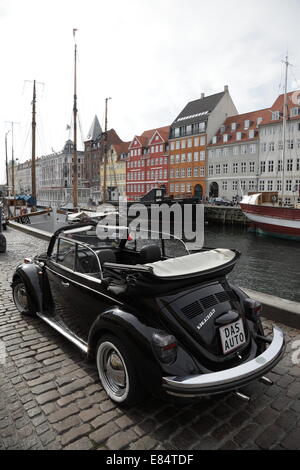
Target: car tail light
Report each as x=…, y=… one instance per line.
x=165, y=347
x=253, y=308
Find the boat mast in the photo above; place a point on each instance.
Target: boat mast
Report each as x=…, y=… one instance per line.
x=105, y=153
x=33, y=174
x=75, y=174
x=6, y=162
x=286, y=62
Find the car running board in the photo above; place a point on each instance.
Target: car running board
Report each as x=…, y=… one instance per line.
x=56, y=326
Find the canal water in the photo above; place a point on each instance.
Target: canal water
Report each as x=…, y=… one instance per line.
x=267, y=264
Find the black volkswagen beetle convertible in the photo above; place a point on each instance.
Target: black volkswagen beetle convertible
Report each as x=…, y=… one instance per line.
x=155, y=318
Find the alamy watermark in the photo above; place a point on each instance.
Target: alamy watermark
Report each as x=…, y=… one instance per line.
x=2, y=353
x=183, y=221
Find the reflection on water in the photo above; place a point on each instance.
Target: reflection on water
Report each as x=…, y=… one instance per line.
x=267, y=264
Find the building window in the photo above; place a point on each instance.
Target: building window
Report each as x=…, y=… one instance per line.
x=270, y=166
x=279, y=185
x=252, y=167
x=288, y=185
x=177, y=158
x=235, y=150
x=261, y=185
x=177, y=172
x=189, y=172
x=183, y=157
x=251, y=134
x=243, y=185
x=271, y=147
x=190, y=143
x=234, y=185
x=177, y=144
x=294, y=112
x=225, y=168
x=251, y=185
x=224, y=185
x=225, y=152
x=183, y=188
x=195, y=171
x=233, y=126
x=196, y=156
x=182, y=172
x=172, y=157
x=290, y=143
x=243, y=167
x=218, y=169
x=202, y=156
x=275, y=115
x=279, y=165
x=202, y=139
x=235, y=168
x=210, y=170
x=280, y=145
x=202, y=171
x=270, y=185
x=183, y=144
x=247, y=124
x=172, y=173
x=189, y=157
x=243, y=149
x=262, y=167
x=289, y=165
x=172, y=146
x=196, y=141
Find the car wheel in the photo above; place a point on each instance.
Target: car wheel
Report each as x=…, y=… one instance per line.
x=117, y=372
x=21, y=298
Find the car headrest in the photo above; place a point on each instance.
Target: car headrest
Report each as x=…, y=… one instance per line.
x=150, y=254
x=106, y=256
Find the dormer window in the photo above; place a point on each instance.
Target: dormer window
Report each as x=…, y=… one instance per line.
x=222, y=129
x=238, y=136
x=275, y=115
x=259, y=120
x=225, y=137
x=247, y=124
x=294, y=112
x=251, y=134
x=233, y=126
x=214, y=139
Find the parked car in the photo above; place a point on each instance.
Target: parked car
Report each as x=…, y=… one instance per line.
x=221, y=201
x=155, y=318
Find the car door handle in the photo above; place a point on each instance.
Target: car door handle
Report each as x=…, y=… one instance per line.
x=65, y=284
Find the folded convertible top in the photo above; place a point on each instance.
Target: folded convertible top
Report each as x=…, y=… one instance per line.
x=192, y=264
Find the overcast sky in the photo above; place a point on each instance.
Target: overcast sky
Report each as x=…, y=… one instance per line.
x=150, y=56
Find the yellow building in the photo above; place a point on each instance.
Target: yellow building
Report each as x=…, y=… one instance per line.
x=115, y=172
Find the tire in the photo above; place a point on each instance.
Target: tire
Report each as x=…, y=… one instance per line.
x=21, y=298
x=2, y=243
x=117, y=372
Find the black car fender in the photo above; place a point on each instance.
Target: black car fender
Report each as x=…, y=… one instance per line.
x=31, y=275
x=137, y=335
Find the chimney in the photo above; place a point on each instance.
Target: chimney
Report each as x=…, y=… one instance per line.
x=202, y=95
x=226, y=88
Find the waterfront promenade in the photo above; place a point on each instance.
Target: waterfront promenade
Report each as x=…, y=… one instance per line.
x=51, y=398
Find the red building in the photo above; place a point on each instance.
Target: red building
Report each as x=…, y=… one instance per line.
x=147, y=163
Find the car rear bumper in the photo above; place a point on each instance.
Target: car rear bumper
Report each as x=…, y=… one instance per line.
x=229, y=379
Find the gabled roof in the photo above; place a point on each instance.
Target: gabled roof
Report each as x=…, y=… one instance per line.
x=121, y=148
x=198, y=110
x=293, y=101
x=145, y=138
x=95, y=131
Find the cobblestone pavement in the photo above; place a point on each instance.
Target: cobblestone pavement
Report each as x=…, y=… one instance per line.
x=51, y=398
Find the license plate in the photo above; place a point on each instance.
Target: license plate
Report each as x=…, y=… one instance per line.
x=232, y=336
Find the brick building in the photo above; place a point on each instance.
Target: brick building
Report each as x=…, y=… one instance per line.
x=147, y=163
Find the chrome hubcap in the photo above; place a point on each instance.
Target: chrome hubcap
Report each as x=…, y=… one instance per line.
x=112, y=371
x=20, y=297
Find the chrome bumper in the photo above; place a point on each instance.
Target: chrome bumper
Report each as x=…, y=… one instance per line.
x=229, y=379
